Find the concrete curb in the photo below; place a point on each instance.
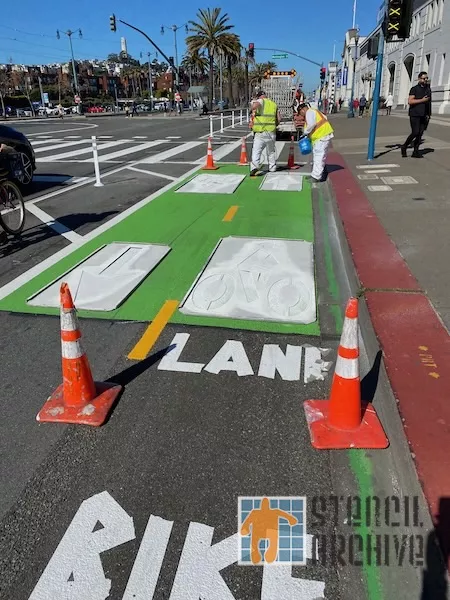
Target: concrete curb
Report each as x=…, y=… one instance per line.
x=415, y=344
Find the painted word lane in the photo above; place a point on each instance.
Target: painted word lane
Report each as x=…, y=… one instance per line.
x=290, y=363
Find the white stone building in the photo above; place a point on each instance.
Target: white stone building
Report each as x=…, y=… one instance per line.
x=427, y=49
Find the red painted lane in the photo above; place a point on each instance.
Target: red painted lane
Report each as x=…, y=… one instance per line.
x=416, y=350
x=378, y=262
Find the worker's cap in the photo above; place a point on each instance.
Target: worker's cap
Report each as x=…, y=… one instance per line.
x=260, y=93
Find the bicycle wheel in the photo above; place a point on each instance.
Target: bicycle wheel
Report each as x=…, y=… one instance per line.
x=12, y=208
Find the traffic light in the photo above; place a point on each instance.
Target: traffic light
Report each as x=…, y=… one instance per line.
x=171, y=63
x=323, y=73
x=372, y=47
x=251, y=50
x=398, y=19
x=112, y=23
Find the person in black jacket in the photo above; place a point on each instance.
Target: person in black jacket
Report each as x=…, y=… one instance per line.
x=419, y=114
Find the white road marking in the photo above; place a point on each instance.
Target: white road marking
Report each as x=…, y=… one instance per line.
x=222, y=151
x=173, y=137
x=42, y=142
x=147, y=566
x=54, y=224
x=376, y=166
x=62, y=145
x=277, y=582
x=162, y=175
x=56, y=157
x=315, y=366
x=140, y=137
x=16, y=283
x=105, y=137
x=82, y=128
x=75, y=569
x=231, y=357
x=169, y=153
x=371, y=175
x=288, y=365
x=398, y=180
x=378, y=171
x=57, y=179
x=126, y=151
x=170, y=361
x=379, y=188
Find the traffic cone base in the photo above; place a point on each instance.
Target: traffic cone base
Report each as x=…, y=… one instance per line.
x=207, y=168
x=369, y=434
x=94, y=413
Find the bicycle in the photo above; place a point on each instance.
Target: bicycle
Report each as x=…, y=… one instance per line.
x=12, y=206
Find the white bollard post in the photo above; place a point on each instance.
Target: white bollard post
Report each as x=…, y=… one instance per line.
x=211, y=127
x=221, y=122
x=240, y=116
x=246, y=116
x=232, y=119
x=98, y=182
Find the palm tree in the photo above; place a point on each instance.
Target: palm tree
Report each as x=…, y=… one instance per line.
x=259, y=70
x=211, y=34
x=195, y=63
x=232, y=57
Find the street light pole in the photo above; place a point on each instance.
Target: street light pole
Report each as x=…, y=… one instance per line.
x=69, y=34
x=351, y=112
x=175, y=28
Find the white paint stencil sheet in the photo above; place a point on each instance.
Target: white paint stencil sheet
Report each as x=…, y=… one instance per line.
x=256, y=279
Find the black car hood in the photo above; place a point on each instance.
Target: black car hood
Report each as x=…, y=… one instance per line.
x=8, y=133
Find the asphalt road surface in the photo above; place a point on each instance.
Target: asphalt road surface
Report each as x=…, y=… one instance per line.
x=205, y=417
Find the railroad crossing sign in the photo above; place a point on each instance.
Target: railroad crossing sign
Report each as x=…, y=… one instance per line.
x=278, y=56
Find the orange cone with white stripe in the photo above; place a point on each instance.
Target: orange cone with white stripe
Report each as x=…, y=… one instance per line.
x=343, y=421
x=209, y=166
x=243, y=160
x=78, y=399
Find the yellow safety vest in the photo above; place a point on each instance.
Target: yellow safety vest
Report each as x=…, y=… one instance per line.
x=267, y=119
x=322, y=127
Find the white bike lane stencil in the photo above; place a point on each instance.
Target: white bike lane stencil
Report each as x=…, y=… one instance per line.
x=251, y=278
x=75, y=570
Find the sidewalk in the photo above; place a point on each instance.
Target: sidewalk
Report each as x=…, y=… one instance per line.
x=396, y=217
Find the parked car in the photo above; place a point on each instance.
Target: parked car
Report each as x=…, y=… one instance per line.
x=18, y=141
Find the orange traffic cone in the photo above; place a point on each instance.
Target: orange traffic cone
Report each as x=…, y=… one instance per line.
x=243, y=161
x=78, y=399
x=341, y=421
x=209, y=166
x=291, y=161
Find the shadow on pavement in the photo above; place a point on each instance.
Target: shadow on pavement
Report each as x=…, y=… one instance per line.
x=434, y=577
x=369, y=383
x=39, y=233
x=37, y=186
x=128, y=375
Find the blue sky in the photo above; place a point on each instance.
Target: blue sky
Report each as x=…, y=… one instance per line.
x=28, y=35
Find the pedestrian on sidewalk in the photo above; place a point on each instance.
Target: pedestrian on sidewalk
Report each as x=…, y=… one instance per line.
x=389, y=103
x=362, y=105
x=318, y=129
x=127, y=111
x=419, y=114
x=265, y=122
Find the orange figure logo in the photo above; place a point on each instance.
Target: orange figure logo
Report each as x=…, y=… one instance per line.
x=264, y=524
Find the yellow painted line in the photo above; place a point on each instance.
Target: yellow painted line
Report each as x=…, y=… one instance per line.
x=230, y=213
x=153, y=331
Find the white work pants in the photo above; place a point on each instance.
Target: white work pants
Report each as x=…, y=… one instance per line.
x=320, y=150
x=265, y=139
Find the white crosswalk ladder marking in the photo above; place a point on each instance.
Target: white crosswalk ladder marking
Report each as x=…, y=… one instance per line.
x=171, y=152
x=62, y=145
x=76, y=153
x=126, y=151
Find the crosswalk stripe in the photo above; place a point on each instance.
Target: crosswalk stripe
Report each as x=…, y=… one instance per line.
x=131, y=150
x=222, y=151
x=169, y=153
x=41, y=142
x=279, y=147
x=62, y=145
x=56, y=157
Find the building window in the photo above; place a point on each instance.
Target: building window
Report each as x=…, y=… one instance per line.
x=441, y=70
x=426, y=66
x=418, y=23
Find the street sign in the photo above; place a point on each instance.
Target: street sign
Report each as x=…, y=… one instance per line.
x=277, y=56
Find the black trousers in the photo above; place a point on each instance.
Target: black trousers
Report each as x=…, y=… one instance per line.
x=418, y=126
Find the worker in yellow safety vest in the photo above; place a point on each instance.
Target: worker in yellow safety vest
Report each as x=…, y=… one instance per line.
x=317, y=127
x=265, y=120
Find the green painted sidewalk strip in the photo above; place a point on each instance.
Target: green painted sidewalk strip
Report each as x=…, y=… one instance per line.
x=191, y=224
